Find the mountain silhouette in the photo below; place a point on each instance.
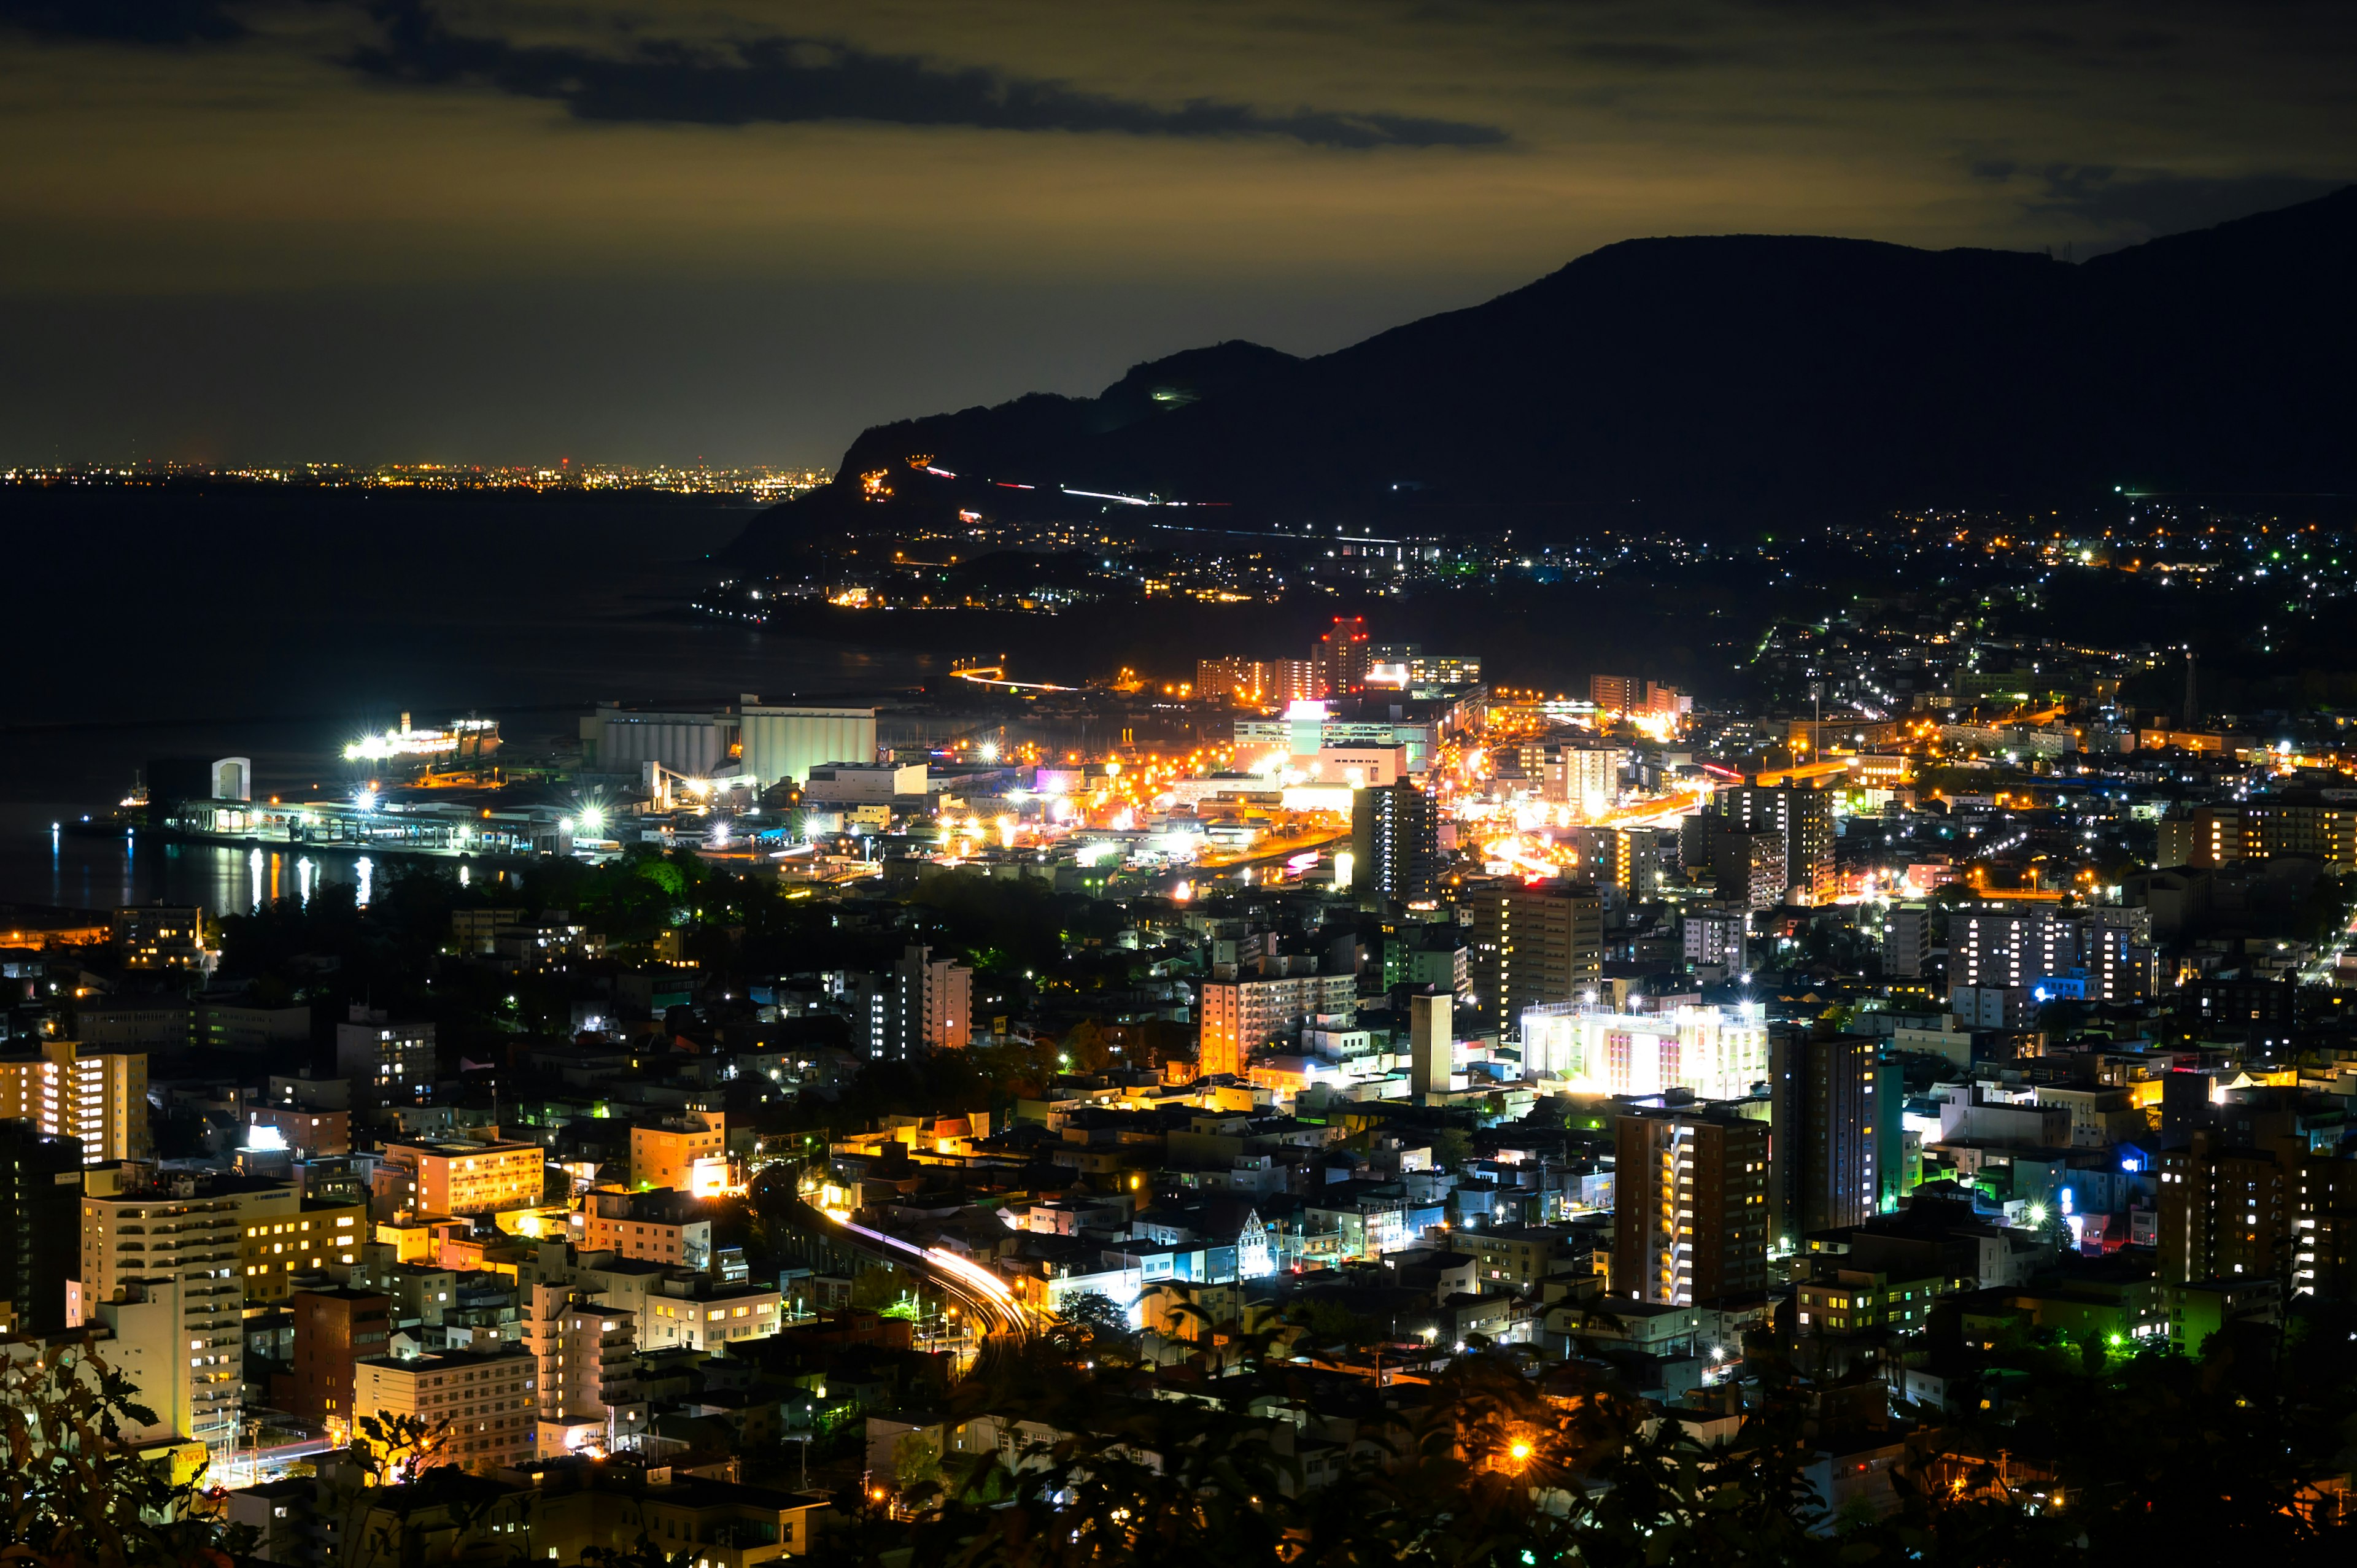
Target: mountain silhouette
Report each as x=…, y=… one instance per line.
x=1709, y=379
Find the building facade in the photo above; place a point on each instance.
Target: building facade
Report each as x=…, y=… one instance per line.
x=486, y=1397
x=317, y=1237
x=40, y=1226
x=335, y=1329
x=1804, y=818
x=160, y=1267
x=388, y=1061
x=1243, y=1014
x=669, y=1155
x=97, y=1097
x=1712, y=1053
x=1690, y=1206
x=1534, y=945
x=1395, y=841
x=1835, y=1106
x=434, y=1178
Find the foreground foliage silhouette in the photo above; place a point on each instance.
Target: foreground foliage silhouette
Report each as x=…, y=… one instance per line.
x=2217, y=1459
x=70, y=1493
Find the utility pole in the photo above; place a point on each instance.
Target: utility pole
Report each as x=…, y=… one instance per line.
x=2192, y=712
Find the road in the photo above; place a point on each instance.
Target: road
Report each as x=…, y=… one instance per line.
x=250, y=1466
x=2326, y=969
x=982, y=1295
x=1277, y=857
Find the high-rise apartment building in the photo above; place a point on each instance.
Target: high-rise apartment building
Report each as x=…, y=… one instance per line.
x=2103, y=954
x=2003, y=947
x=1617, y=695
x=160, y=1265
x=1236, y=680
x=1286, y=682
x=96, y=1096
x=2227, y=1211
x=40, y=1226
x=1631, y=859
x=1534, y=944
x=1714, y=936
x=1906, y=940
x=581, y=1344
x=1749, y=868
x=1585, y=777
x=1835, y=1106
x=1804, y=818
x=2115, y=950
x=181, y=1344
x=335, y=1327
x=1396, y=841
x=1690, y=1205
x=1244, y=1012
x=934, y=1001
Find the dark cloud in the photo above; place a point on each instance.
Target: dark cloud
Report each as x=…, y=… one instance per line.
x=2157, y=201
x=1645, y=54
x=783, y=80
x=125, y=21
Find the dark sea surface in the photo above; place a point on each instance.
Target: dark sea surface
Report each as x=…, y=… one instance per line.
x=280, y=624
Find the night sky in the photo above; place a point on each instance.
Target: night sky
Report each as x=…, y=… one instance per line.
x=511, y=232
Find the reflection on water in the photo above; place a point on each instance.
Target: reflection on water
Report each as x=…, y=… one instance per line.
x=560, y=605
x=45, y=864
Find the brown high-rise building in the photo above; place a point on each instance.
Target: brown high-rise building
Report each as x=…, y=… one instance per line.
x=2227, y=1212
x=2265, y=1208
x=1534, y=944
x=1690, y=1205
x=1341, y=656
x=1804, y=818
x=1616, y=693
x=333, y=1329
x=2264, y=829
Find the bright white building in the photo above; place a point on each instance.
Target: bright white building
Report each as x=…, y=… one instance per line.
x=1716, y=1053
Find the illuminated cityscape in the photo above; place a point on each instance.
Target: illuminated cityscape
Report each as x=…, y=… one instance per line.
x=764, y=484
x=1336, y=786
x=1903, y=1005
